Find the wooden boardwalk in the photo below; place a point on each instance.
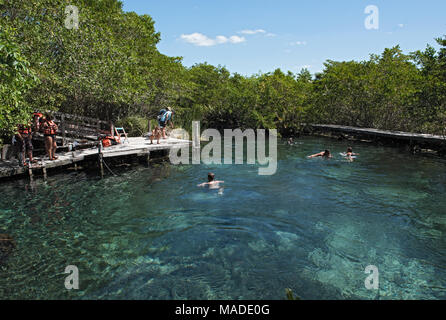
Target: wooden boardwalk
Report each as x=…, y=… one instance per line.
x=135, y=146
x=415, y=137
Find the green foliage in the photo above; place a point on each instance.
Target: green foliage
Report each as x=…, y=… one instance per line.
x=377, y=93
x=16, y=79
x=134, y=126
x=431, y=99
x=110, y=68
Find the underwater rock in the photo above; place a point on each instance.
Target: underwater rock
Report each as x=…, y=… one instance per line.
x=7, y=245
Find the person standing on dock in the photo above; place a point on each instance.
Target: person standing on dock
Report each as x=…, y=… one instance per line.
x=23, y=140
x=164, y=117
x=37, y=122
x=155, y=134
x=50, y=128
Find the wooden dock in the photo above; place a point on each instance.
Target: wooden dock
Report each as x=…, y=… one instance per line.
x=417, y=142
x=382, y=133
x=132, y=147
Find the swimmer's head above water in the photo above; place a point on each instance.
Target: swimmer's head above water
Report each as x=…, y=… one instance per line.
x=211, y=181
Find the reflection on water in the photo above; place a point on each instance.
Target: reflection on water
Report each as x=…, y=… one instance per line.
x=150, y=233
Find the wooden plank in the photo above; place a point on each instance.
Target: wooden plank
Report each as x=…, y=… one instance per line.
x=383, y=133
x=125, y=153
x=137, y=146
x=63, y=125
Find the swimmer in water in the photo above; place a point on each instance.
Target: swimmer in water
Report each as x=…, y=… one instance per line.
x=212, y=183
x=325, y=154
x=349, y=154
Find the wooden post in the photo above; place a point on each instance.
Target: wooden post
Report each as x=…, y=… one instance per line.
x=100, y=160
x=63, y=126
x=5, y=151
x=44, y=173
x=30, y=172
x=148, y=158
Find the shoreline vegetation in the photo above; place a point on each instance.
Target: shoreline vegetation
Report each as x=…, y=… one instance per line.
x=110, y=68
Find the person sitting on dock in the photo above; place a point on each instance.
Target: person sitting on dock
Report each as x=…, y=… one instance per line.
x=49, y=129
x=24, y=143
x=325, y=154
x=212, y=183
x=155, y=134
x=164, y=117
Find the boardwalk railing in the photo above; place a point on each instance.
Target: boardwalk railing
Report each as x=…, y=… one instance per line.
x=72, y=127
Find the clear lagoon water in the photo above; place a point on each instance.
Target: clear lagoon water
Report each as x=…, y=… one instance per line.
x=314, y=226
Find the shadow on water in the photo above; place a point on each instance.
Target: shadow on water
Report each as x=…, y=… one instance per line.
x=313, y=227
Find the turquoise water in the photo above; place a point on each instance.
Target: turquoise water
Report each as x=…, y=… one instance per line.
x=150, y=233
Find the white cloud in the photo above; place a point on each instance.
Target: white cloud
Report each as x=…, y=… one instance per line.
x=401, y=25
x=202, y=40
x=236, y=39
x=221, y=39
x=198, y=39
x=269, y=34
x=252, y=31
x=299, y=43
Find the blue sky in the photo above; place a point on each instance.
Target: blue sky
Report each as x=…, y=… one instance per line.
x=251, y=36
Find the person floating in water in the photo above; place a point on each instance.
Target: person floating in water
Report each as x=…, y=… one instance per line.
x=212, y=183
x=325, y=154
x=350, y=155
x=350, y=152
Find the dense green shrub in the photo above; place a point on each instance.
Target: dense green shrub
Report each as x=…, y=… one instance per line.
x=134, y=126
x=110, y=68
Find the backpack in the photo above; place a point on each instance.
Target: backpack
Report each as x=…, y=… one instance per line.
x=161, y=115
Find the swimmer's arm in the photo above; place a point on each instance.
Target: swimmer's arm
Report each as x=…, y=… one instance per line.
x=316, y=155
x=203, y=184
